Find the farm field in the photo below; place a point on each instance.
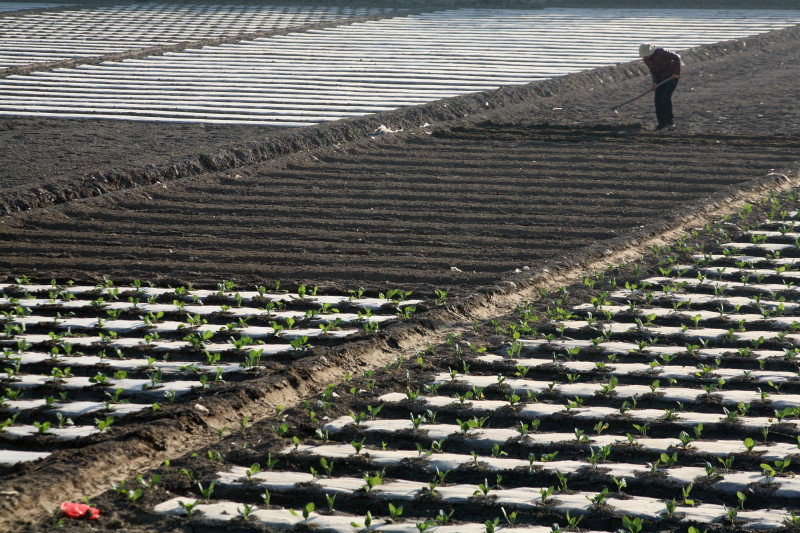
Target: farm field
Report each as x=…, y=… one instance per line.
x=53, y=160
x=663, y=402
x=418, y=319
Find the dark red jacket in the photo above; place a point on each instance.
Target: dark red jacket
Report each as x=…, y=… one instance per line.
x=663, y=64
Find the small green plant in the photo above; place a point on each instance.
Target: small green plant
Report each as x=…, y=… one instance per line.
x=572, y=521
x=330, y=500
x=511, y=518
x=254, y=469
x=207, y=491
x=305, y=511
x=189, y=507
x=395, y=512
x=632, y=525
x=491, y=525
x=105, y=423
x=443, y=517
x=483, y=489
x=371, y=481
x=357, y=445
x=598, y=499
x=245, y=511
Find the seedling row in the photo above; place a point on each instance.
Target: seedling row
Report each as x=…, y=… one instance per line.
x=77, y=359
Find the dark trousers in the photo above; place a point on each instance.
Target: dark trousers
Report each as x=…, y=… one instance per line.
x=664, y=102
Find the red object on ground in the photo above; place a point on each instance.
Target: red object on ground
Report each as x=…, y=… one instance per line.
x=80, y=510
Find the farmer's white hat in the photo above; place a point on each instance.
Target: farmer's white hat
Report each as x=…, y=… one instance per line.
x=646, y=49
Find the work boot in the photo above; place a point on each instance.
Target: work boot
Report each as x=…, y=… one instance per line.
x=667, y=126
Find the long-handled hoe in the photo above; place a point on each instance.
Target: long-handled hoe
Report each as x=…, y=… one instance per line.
x=648, y=91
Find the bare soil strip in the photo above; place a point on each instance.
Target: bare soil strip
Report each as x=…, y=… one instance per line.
x=457, y=209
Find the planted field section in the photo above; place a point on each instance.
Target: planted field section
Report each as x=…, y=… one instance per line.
x=328, y=74
x=54, y=36
x=662, y=403
x=451, y=210
x=78, y=359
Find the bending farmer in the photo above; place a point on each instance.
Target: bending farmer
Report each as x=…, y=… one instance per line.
x=665, y=67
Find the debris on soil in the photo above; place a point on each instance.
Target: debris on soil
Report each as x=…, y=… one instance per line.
x=383, y=130
x=80, y=510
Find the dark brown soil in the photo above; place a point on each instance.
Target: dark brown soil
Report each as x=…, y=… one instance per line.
x=396, y=212
x=39, y=150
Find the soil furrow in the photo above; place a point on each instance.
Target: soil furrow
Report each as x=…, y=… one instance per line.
x=421, y=229
x=442, y=189
x=618, y=162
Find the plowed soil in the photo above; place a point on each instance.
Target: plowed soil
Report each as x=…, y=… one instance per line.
x=42, y=152
x=484, y=200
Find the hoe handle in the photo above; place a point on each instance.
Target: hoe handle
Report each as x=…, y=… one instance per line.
x=648, y=91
